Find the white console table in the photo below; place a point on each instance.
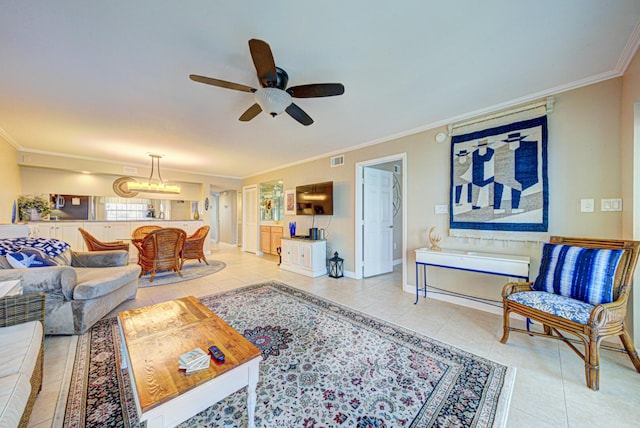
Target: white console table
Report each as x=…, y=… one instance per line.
x=488, y=263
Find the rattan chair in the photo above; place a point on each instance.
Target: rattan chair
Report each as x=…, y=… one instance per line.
x=94, y=244
x=142, y=231
x=19, y=309
x=592, y=322
x=161, y=250
x=194, y=245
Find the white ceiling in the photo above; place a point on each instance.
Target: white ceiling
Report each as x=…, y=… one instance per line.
x=109, y=79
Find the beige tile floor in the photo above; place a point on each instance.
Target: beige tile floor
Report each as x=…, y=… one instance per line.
x=549, y=389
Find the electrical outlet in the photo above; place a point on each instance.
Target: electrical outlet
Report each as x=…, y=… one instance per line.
x=586, y=205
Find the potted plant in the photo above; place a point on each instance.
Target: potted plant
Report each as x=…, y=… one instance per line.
x=33, y=207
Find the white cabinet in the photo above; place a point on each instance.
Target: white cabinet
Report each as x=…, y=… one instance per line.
x=64, y=231
x=108, y=231
x=305, y=257
x=188, y=226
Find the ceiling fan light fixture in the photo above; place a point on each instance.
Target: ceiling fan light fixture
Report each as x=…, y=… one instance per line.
x=154, y=185
x=272, y=100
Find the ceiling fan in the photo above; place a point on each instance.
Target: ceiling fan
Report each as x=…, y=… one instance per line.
x=273, y=96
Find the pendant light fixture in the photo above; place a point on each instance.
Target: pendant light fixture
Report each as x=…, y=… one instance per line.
x=154, y=185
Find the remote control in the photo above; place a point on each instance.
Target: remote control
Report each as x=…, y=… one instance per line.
x=216, y=353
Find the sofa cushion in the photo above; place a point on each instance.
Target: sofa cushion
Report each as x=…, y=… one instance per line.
x=29, y=258
x=50, y=246
x=585, y=274
x=14, y=395
x=62, y=259
x=560, y=306
x=19, y=348
x=96, y=282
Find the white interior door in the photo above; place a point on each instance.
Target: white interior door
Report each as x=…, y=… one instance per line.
x=250, y=219
x=214, y=217
x=378, y=222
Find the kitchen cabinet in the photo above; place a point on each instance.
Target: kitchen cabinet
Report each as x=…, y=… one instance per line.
x=106, y=231
x=109, y=230
x=304, y=256
x=276, y=237
x=270, y=237
x=67, y=232
x=188, y=226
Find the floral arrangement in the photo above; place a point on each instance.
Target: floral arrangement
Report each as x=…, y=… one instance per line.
x=28, y=203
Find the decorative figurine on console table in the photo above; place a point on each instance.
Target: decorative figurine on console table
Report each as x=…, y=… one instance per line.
x=434, y=239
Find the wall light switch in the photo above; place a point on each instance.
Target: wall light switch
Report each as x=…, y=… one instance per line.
x=442, y=209
x=611, y=205
x=586, y=205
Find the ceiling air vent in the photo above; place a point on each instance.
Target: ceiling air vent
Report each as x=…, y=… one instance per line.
x=337, y=161
x=129, y=170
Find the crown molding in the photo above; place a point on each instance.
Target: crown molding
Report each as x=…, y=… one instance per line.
x=9, y=139
x=629, y=50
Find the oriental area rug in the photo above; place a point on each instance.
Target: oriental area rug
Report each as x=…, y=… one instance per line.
x=192, y=269
x=324, y=365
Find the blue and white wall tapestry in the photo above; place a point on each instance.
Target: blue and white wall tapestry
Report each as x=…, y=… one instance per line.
x=499, y=179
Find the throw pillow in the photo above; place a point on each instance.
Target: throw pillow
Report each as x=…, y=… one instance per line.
x=585, y=274
x=29, y=258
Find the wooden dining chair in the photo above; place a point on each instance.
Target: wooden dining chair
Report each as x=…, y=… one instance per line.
x=194, y=245
x=582, y=289
x=93, y=244
x=161, y=250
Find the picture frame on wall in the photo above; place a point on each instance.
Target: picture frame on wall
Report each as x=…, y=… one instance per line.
x=290, y=202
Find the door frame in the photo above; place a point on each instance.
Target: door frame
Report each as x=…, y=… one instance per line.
x=360, y=206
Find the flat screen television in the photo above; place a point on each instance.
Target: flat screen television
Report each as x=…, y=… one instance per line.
x=315, y=199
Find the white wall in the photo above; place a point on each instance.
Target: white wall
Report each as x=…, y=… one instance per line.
x=584, y=162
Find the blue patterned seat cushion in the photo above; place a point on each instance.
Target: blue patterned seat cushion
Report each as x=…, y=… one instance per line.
x=585, y=274
x=560, y=306
x=49, y=246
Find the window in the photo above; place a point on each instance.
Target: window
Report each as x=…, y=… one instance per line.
x=126, y=208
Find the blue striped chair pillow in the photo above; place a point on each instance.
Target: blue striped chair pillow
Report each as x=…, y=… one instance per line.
x=585, y=274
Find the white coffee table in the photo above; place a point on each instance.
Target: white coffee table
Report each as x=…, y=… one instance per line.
x=153, y=339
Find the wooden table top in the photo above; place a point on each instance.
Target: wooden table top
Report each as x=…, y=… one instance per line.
x=157, y=335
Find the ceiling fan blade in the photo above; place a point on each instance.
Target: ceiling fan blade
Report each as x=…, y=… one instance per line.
x=298, y=114
x=251, y=112
x=221, y=83
x=264, y=63
x=316, y=90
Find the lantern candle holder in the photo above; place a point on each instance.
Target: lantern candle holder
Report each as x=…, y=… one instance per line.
x=336, y=266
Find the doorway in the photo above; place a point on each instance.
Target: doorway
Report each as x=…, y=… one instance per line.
x=376, y=248
x=250, y=223
x=214, y=219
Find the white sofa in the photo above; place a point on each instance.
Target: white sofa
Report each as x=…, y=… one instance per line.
x=21, y=356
